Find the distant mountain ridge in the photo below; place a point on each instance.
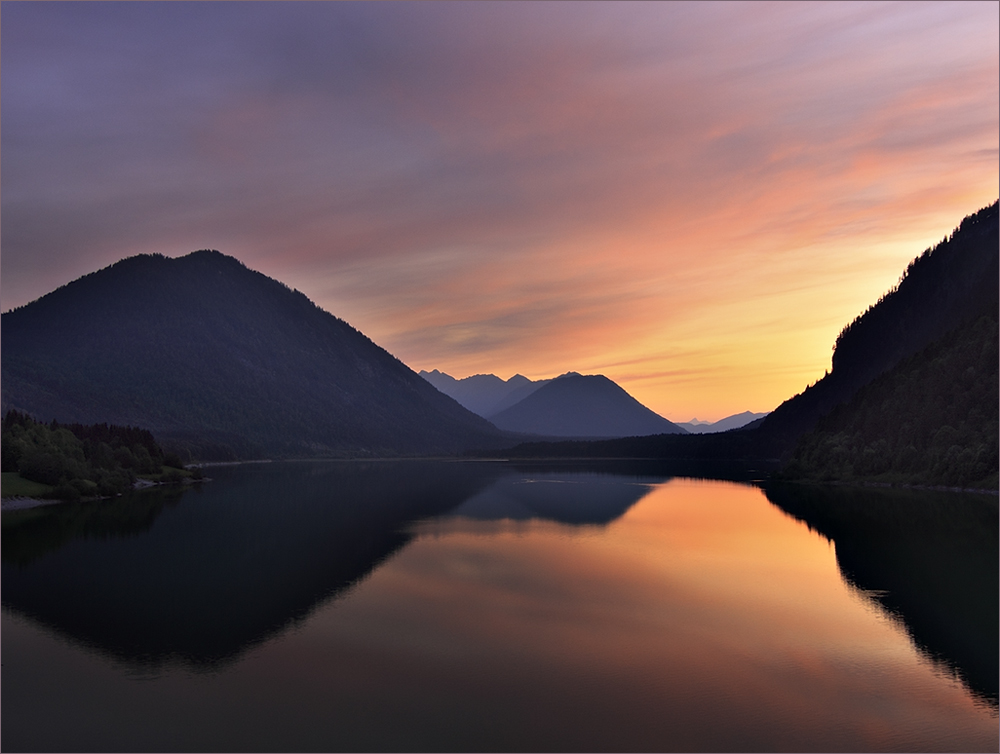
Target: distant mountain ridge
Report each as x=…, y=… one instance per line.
x=586, y=406
x=483, y=394
x=735, y=421
x=224, y=361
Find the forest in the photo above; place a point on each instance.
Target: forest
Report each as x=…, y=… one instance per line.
x=931, y=420
x=74, y=461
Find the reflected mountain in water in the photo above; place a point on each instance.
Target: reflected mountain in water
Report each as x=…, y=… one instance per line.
x=576, y=499
x=929, y=558
x=29, y=534
x=231, y=565
x=198, y=577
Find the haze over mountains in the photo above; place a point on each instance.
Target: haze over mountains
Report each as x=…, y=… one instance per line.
x=484, y=394
x=735, y=421
x=571, y=405
x=221, y=362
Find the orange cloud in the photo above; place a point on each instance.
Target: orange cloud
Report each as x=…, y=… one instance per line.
x=690, y=198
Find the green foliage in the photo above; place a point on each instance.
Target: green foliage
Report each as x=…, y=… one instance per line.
x=14, y=485
x=933, y=419
x=173, y=460
x=73, y=461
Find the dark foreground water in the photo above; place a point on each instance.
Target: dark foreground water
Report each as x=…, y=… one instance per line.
x=422, y=606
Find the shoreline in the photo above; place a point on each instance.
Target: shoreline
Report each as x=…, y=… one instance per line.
x=23, y=503
x=890, y=486
x=206, y=464
x=20, y=503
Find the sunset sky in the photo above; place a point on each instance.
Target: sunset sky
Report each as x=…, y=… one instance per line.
x=692, y=199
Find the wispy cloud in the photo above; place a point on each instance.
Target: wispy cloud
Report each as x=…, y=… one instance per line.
x=705, y=188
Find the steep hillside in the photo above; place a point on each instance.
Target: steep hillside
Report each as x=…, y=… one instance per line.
x=576, y=405
x=223, y=361
x=932, y=419
x=945, y=288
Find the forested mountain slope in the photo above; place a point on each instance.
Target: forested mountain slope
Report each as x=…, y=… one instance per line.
x=946, y=291
x=932, y=419
x=945, y=288
x=223, y=361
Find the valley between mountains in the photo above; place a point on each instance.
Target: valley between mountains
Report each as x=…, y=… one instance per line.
x=222, y=363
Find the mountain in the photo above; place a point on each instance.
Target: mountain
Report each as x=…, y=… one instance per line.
x=575, y=405
x=516, y=395
x=483, y=394
x=221, y=361
x=932, y=419
x=948, y=290
x=730, y=422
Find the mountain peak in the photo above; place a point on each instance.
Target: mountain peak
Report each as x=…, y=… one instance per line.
x=483, y=394
x=576, y=405
x=204, y=351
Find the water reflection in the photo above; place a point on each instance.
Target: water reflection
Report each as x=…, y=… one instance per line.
x=929, y=558
x=148, y=581
x=460, y=607
x=30, y=534
x=576, y=499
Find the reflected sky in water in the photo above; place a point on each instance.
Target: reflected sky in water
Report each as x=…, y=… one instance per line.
x=657, y=614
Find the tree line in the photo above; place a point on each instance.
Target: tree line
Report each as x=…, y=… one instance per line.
x=78, y=460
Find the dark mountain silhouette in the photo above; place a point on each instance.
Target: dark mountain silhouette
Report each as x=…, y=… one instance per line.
x=221, y=361
x=735, y=421
x=516, y=395
x=932, y=419
x=944, y=291
x=576, y=405
x=483, y=394
x=946, y=288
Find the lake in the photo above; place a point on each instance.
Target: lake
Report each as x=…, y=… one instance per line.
x=473, y=606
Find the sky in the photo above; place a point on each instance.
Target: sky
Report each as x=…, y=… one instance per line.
x=690, y=198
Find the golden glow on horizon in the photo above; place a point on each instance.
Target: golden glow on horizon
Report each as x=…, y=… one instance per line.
x=703, y=590
x=690, y=328
x=691, y=198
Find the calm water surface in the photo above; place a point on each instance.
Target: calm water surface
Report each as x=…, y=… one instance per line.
x=436, y=606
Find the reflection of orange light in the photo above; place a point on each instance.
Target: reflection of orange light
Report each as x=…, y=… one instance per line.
x=702, y=602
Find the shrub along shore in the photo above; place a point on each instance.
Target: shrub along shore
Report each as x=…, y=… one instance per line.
x=74, y=461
